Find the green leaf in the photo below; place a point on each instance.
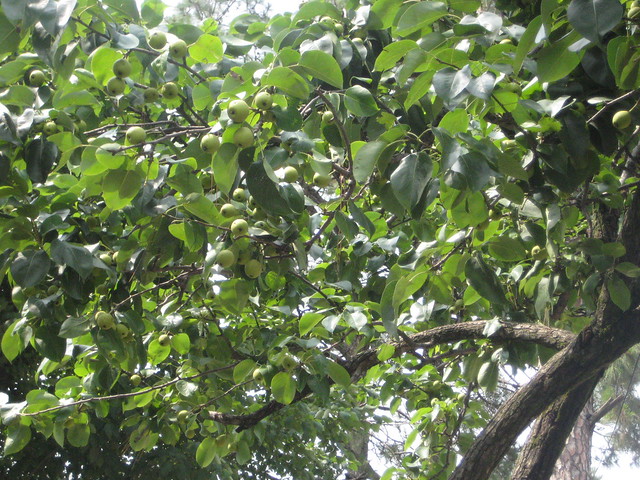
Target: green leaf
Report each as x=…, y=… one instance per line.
x=120, y=186
x=158, y=353
x=385, y=352
x=411, y=178
x=11, y=343
x=488, y=376
x=628, y=269
x=78, y=434
x=203, y=208
x=322, y=66
x=507, y=249
x=308, y=321
x=594, y=18
x=30, y=267
x=366, y=159
x=419, y=15
x=181, y=343
x=18, y=437
x=484, y=280
x=619, y=292
x=206, y=452
x=392, y=53
x=265, y=192
x=338, y=373
x=556, y=61
x=76, y=257
x=288, y=81
x=360, y=102
x=207, y=49
x=243, y=370
x=283, y=388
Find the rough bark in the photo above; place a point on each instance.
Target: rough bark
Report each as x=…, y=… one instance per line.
x=610, y=334
x=546, y=444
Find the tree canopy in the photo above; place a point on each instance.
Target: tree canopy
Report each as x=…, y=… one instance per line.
x=242, y=252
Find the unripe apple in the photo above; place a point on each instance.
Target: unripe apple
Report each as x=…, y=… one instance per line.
x=135, y=379
x=239, y=227
x=170, y=91
x=290, y=174
x=50, y=128
x=102, y=289
x=106, y=258
x=239, y=195
x=225, y=258
x=36, y=78
x=178, y=49
x=157, y=40
x=622, y=119
x=210, y=143
x=115, y=86
x=327, y=117
x=123, y=330
x=288, y=362
x=506, y=41
x=243, y=137
x=229, y=210
x=538, y=253
x=238, y=111
x=634, y=12
x=121, y=68
x=183, y=415
x=151, y=95
x=263, y=101
x=321, y=180
x=105, y=320
x=253, y=268
x=136, y=135
x=164, y=340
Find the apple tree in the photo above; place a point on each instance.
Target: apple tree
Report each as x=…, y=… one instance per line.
x=235, y=252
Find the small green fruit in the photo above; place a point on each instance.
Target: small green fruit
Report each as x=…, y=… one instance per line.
x=622, y=119
x=239, y=227
x=36, y=78
x=538, y=253
x=178, y=49
x=50, y=128
x=239, y=195
x=104, y=320
x=157, y=40
x=210, y=143
x=121, y=68
x=164, y=340
x=225, y=258
x=136, y=135
x=264, y=101
x=288, y=363
x=151, y=95
x=634, y=12
x=115, y=86
x=253, y=268
x=106, y=258
x=123, y=330
x=321, y=180
x=327, y=117
x=238, y=111
x=102, y=289
x=290, y=174
x=506, y=41
x=243, y=137
x=170, y=91
x=229, y=210
x=135, y=379
x=183, y=415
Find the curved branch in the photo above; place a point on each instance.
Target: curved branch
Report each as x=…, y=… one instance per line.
x=522, y=332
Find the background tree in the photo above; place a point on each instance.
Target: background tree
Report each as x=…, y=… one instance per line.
x=220, y=10
x=257, y=262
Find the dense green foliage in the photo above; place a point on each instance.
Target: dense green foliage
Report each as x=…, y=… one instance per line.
x=448, y=165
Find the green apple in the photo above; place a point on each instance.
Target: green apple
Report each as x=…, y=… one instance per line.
x=164, y=340
x=178, y=49
x=229, y=210
x=170, y=91
x=321, y=180
x=263, y=100
x=115, y=86
x=622, y=119
x=225, y=258
x=264, y=374
x=253, y=268
x=210, y=143
x=288, y=362
x=135, y=379
x=106, y=258
x=183, y=415
x=538, y=253
x=327, y=117
x=634, y=12
x=102, y=289
x=123, y=330
x=239, y=195
x=36, y=78
x=50, y=128
x=151, y=95
x=290, y=174
x=506, y=41
x=239, y=227
x=122, y=68
x=339, y=28
x=136, y=135
x=157, y=40
x=238, y=111
x=104, y=320
x=243, y=137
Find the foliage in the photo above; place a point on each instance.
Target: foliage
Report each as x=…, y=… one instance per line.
x=446, y=220
x=219, y=10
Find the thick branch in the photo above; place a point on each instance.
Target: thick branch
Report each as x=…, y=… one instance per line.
x=522, y=332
